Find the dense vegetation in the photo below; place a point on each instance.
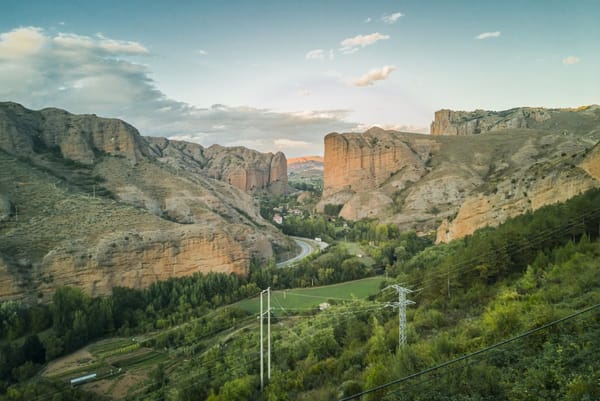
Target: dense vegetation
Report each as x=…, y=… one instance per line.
x=34, y=335
x=473, y=293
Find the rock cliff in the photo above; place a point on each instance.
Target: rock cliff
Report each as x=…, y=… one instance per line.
x=491, y=166
x=128, y=212
x=82, y=138
x=449, y=122
x=240, y=167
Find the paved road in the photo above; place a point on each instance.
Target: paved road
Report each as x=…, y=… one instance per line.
x=307, y=247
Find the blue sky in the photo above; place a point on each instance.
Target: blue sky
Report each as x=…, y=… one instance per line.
x=279, y=75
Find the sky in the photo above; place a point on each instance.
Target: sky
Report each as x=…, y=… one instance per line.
x=277, y=75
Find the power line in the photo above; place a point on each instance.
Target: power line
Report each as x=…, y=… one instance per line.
x=464, y=265
x=472, y=354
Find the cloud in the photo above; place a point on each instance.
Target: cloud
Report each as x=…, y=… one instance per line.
x=21, y=42
x=487, y=35
x=315, y=54
x=305, y=92
x=571, y=60
x=368, y=20
x=285, y=143
x=84, y=74
x=202, y=52
x=392, y=18
x=351, y=45
x=376, y=74
x=120, y=46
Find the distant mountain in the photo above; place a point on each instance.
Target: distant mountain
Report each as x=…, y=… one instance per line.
x=304, y=163
x=306, y=170
x=89, y=202
x=478, y=169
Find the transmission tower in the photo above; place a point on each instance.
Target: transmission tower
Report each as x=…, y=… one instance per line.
x=401, y=304
x=262, y=352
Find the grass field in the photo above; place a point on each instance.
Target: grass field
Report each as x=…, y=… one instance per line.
x=308, y=298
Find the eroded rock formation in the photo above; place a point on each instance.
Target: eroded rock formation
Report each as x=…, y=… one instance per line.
x=132, y=211
x=489, y=166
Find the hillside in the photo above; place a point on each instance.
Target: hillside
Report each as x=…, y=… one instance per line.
x=454, y=184
x=512, y=313
x=89, y=202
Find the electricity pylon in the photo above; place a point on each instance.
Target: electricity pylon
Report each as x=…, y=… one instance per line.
x=401, y=304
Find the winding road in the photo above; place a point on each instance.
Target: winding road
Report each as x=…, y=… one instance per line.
x=307, y=247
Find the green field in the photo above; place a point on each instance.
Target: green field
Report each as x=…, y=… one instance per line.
x=296, y=300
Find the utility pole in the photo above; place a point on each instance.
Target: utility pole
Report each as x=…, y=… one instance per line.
x=269, y=334
x=262, y=352
x=401, y=304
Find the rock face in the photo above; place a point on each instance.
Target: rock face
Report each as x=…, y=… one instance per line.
x=365, y=162
x=77, y=137
x=491, y=166
x=243, y=168
x=448, y=122
x=85, y=138
x=132, y=211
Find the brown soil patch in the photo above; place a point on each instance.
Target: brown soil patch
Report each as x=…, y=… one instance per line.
x=72, y=361
x=118, y=387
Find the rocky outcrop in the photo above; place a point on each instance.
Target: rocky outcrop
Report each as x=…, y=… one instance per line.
x=449, y=122
x=132, y=211
x=85, y=138
x=149, y=257
x=483, y=210
x=361, y=162
x=81, y=138
x=455, y=184
x=243, y=168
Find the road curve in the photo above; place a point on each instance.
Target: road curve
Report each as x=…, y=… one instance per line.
x=306, y=248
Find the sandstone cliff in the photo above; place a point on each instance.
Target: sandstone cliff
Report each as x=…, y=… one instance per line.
x=77, y=137
x=129, y=213
x=455, y=184
x=242, y=168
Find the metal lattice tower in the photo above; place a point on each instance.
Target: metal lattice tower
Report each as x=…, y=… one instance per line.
x=401, y=304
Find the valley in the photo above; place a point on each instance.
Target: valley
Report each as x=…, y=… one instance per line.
x=137, y=271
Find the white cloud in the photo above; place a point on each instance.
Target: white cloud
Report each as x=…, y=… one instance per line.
x=305, y=92
x=331, y=54
x=376, y=74
x=487, y=35
x=368, y=20
x=120, y=46
x=21, y=42
x=351, y=45
x=571, y=60
x=315, y=54
x=283, y=143
x=96, y=75
x=392, y=18
x=202, y=52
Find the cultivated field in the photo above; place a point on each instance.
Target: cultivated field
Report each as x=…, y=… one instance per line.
x=305, y=299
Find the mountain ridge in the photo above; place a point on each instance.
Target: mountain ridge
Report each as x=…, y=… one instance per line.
x=89, y=202
x=441, y=183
